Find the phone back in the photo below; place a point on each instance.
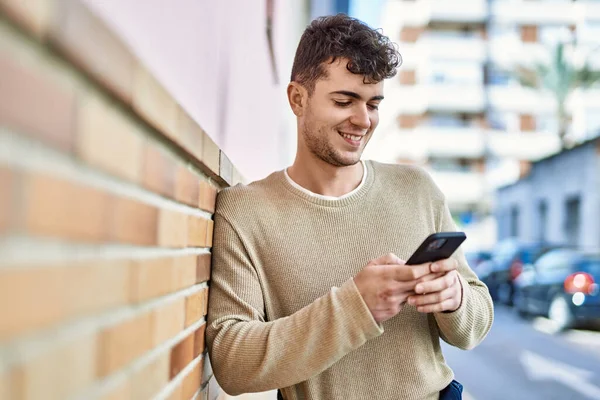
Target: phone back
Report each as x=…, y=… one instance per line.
x=437, y=246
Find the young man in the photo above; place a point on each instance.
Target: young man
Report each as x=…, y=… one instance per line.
x=309, y=291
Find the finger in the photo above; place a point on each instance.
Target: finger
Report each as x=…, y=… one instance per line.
x=411, y=272
x=446, y=265
x=432, y=298
x=446, y=305
x=389, y=258
x=436, y=285
x=430, y=277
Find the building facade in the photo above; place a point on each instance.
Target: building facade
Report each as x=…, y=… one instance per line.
x=558, y=202
x=457, y=109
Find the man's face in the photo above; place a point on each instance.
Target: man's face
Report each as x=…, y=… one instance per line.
x=341, y=115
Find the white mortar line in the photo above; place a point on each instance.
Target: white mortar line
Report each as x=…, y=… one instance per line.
x=100, y=387
x=30, y=155
x=172, y=385
x=23, y=251
x=26, y=347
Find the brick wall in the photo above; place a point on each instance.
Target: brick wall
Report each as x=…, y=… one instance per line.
x=107, y=189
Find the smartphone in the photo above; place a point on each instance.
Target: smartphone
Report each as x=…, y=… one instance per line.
x=437, y=246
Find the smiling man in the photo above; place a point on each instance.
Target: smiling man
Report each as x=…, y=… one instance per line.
x=309, y=291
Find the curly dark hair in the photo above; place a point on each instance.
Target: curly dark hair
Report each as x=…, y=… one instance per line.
x=369, y=52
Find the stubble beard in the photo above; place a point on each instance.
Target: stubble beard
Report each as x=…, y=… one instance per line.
x=318, y=143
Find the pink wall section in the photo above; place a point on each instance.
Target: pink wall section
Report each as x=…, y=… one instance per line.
x=213, y=58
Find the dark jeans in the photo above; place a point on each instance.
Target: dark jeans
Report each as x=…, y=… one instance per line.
x=451, y=392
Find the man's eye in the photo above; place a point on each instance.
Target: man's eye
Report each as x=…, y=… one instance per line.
x=373, y=106
x=342, y=103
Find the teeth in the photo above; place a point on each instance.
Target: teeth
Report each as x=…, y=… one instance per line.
x=351, y=137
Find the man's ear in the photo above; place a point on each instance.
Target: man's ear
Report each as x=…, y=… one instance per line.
x=298, y=98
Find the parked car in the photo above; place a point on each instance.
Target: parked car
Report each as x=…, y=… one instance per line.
x=475, y=258
x=508, y=258
x=562, y=285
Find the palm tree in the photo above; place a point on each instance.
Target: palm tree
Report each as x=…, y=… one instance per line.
x=560, y=77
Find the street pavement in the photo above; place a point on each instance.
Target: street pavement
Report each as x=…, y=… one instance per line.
x=529, y=360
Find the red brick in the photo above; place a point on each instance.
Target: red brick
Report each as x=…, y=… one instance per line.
x=148, y=382
x=191, y=383
x=184, y=272
x=199, y=341
x=172, y=229
x=195, y=306
x=155, y=104
x=203, y=268
x=210, y=226
x=34, y=105
x=167, y=321
x=210, y=154
x=151, y=278
x=120, y=344
x=181, y=355
x=197, y=228
x=106, y=139
x=40, y=378
x=134, y=222
x=158, y=174
x=7, y=181
x=92, y=45
x=208, y=196
x=59, y=208
x=192, y=136
x=20, y=292
x=187, y=187
x=97, y=286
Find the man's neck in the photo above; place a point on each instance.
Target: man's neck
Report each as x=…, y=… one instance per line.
x=325, y=179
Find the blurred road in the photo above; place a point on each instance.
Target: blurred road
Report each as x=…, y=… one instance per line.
x=528, y=360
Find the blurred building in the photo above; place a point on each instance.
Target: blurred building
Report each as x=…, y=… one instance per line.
x=536, y=208
x=456, y=108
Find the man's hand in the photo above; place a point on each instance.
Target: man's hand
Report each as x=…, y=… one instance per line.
x=386, y=283
x=444, y=293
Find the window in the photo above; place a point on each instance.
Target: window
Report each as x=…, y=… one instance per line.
x=514, y=221
x=542, y=220
x=572, y=220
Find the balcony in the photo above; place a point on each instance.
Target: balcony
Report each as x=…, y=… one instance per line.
x=462, y=189
x=467, y=11
x=520, y=99
x=522, y=145
x=544, y=12
x=455, y=97
x=424, y=141
x=438, y=97
x=453, y=48
x=422, y=12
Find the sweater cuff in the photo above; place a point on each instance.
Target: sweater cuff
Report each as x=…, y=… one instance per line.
x=356, y=309
x=452, y=319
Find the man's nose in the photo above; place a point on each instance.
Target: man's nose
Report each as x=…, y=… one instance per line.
x=360, y=117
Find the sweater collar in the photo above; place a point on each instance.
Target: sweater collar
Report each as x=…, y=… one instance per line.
x=329, y=201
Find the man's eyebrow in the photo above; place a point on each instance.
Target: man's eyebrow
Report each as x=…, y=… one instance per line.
x=356, y=95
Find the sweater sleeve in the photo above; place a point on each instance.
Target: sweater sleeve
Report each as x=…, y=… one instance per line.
x=467, y=326
x=249, y=353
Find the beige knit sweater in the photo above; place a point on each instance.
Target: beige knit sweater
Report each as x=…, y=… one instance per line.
x=285, y=313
